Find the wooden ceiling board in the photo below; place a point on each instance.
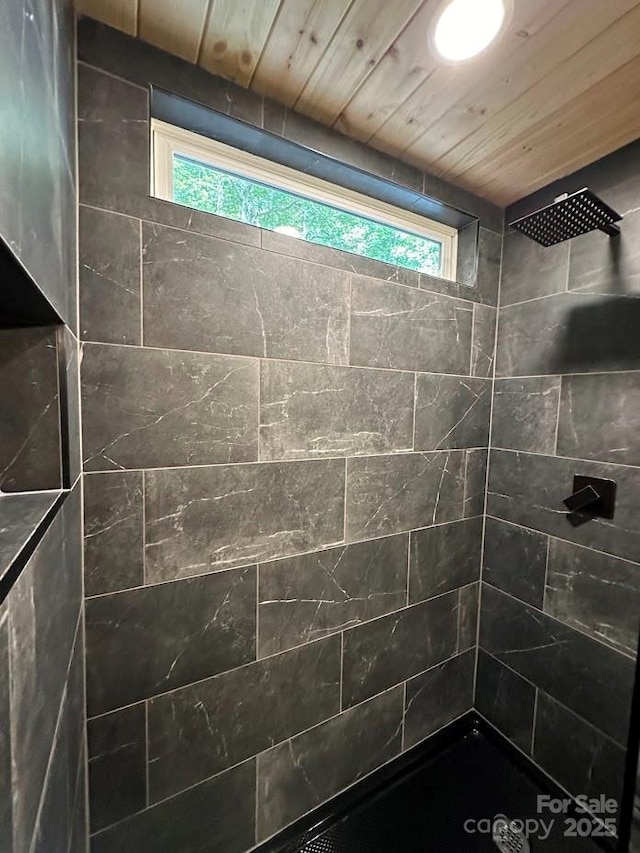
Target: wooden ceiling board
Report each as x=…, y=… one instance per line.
x=590, y=63
x=236, y=33
x=466, y=88
x=363, y=37
x=121, y=14
x=176, y=26
x=299, y=37
x=405, y=65
x=556, y=91
x=580, y=141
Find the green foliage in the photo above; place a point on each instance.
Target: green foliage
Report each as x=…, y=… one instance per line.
x=205, y=188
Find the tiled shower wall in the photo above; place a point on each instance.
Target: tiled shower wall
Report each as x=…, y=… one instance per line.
x=560, y=604
x=285, y=457
x=42, y=725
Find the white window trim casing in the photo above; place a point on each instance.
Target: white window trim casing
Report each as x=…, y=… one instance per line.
x=167, y=140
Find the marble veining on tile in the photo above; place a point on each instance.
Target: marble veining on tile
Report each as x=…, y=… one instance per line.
x=314, y=410
x=451, y=412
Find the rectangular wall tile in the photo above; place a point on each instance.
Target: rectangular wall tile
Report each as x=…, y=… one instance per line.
x=475, y=482
x=600, y=417
x=468, y=616
x=6, y=821
x=599, y=266
x=451, y=412
x=181, y=632
x=206, y=727
x=515, y=560
x=298, y=775
x=582, y=673
x=483, y=341
x=216, y=296
x=437, y=697
x=306, y=597
x=109, y=276
x=594, y=592
x=444, y=558
x=309, y=410
x=580, y=757
x=204, y=519
x=113, y=532
x=391, y=649
x=572, y=332
x=217, y=816
x=117, y=765
x=506, y=700
x=525, y=414
x=529, y=490
x=388, y=494
x=408, y=329
x=530, y=270
x=147, y=408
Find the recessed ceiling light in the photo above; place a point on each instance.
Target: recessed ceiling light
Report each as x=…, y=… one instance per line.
x=464, y=28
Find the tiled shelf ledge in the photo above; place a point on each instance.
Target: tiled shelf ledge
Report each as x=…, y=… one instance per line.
x=24, y=519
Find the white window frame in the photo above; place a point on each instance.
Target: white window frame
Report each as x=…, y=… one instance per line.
x=167, y=140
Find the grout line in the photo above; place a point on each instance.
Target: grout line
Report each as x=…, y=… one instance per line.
x=141, y=284
x=258, y=611
x=410, y=539
x=144, y=530
x=534, y=719
x=415, y=410
x=222, y=673
x=278, y=559
x=473, y=330
x=341, y=703
x=344, y=515
x=546, y=574
x=146, y=753
x=404, y=716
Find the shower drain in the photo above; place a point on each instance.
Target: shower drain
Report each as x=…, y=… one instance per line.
x=509, y=839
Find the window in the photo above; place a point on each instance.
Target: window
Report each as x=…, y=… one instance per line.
x=208, y=175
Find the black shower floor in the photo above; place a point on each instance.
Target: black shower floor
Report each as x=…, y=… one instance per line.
x=431, y=806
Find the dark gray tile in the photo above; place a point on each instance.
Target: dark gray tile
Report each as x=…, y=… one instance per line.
x=594, y=592
x=475, y=482
x=298, y=775
x=600, y=417
x=571, y=332
x=204, y=519
x=388, y=494
x=44, y=609
x=181, y=632
x=382, y=653
x=69, y=363
x=529, y=490
x=6, y=822
x=216, y=296
x=109, y=277
x=582, y=673
x=444, y=558
x=217, y=816
x=20, y=516
x=117, y=765
x=146, y=408
x=451, y=412
x=468, y=616
x=309, y=410
x=79, y=825
x=599, y=264
x=579, y=756
x=525, y=414
x=113, y=142
x=489, y=262
x=530, y=270
x=437, y=697
x=113, y=534
x=328, y=257
x=307, y=597
x=506, y=700
x=408, y=329
x=483, y=341
x=515, y=560
x=30, y=423
x=207, y=727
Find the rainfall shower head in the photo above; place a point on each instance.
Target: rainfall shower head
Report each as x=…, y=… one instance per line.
x=569, y=216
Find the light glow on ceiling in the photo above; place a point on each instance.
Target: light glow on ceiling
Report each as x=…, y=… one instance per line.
x=464, y=28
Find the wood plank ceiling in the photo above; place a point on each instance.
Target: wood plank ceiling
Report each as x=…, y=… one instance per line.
x=558, y=90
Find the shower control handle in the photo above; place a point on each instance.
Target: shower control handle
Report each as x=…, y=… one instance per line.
x=581, y=499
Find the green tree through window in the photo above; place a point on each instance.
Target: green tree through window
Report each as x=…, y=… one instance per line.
x=206, y=188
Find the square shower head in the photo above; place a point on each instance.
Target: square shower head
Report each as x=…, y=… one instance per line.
x=569, y=216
